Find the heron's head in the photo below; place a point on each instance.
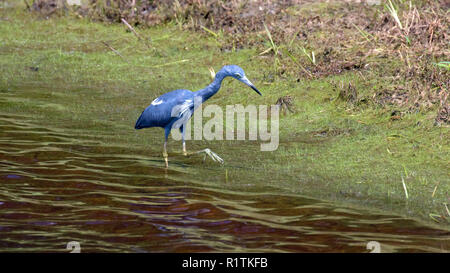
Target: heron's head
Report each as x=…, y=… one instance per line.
x=238, y=73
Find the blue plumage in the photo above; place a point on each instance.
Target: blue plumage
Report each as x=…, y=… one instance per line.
x=158, y=113
x=173, y=109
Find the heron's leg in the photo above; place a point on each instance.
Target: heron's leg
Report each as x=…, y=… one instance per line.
x=207, y=151
x=182, y=137
x=165, y=155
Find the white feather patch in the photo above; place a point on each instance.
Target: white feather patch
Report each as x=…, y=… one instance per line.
x=157, y=101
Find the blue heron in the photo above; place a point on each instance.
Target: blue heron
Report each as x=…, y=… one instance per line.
x=174, y=109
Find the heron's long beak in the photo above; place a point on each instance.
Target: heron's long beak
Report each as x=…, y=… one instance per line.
x=247, y=82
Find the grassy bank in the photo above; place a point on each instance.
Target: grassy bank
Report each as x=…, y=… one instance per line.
x=60, y=72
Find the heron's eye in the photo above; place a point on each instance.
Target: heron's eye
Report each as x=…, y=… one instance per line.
x=238, y=75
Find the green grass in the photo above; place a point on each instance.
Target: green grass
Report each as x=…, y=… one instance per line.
x=84, y=87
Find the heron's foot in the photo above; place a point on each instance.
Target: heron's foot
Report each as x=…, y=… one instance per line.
x=211, y=154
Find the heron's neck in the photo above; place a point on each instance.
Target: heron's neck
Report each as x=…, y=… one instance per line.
x=211, y=89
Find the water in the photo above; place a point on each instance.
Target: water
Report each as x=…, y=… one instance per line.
x=56, y=187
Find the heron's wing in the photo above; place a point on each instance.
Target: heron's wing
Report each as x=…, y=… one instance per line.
x=165, y=109
x=182, y=112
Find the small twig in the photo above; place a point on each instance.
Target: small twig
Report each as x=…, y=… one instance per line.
x=210, y=31
x=272, y=43
x=265, y=51
x=131, y=28
x=115, y=51
x=133, y=3
x=166, y=64
x=298, y=63
x=435, y=188
x=434, y=216
x=404, y=187
x=28, y=6
x=362, y=76
x=135, y=33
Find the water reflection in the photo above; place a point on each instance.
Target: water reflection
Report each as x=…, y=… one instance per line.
x=56, y=188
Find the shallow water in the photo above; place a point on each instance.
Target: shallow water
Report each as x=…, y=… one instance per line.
x=56, y=188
